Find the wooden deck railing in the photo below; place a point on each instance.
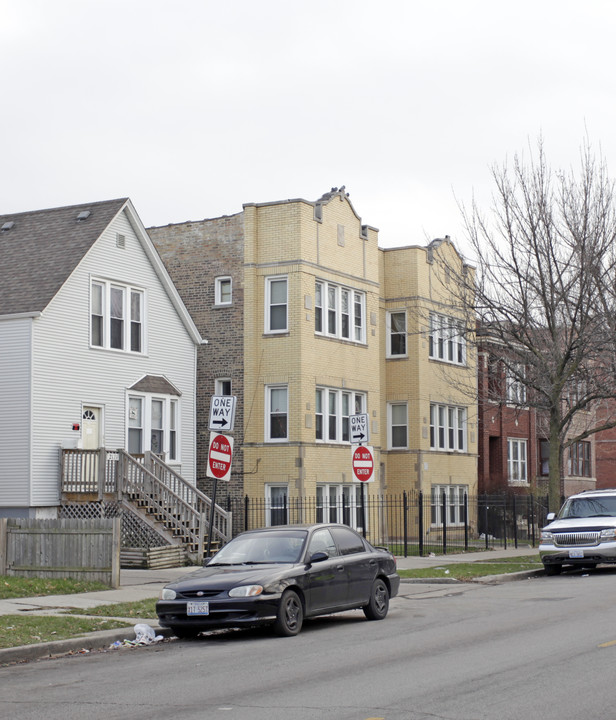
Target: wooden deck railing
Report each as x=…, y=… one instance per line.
x=151, y=483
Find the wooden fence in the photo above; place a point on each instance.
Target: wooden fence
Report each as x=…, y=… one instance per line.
x=78, y=549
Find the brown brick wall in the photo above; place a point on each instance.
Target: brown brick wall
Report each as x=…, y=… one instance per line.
x=195, y=254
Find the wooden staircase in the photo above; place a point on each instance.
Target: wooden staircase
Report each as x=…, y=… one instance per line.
x=176, y=509
x=166, y=505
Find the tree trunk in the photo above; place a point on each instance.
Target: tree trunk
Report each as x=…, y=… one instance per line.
x=554, y=488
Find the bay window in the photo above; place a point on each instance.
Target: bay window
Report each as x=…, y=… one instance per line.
x=277, y=411
x=332, y=411
x=447, y=427
x=447, y=341
x=276, y=304
x=339, y=312
x=153, y=424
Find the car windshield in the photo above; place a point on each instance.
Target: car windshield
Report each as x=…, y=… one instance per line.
x=589, y=507
x=276, y=546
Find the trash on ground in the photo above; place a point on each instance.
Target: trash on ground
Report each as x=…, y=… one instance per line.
x=144, y=635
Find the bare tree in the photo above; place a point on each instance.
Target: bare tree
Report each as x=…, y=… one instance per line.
x=544, y=291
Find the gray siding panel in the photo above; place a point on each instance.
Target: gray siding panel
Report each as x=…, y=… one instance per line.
x=15, y=416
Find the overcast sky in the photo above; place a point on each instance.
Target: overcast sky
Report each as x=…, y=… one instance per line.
x=193, y=107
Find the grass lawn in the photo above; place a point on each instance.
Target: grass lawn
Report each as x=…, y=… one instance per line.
x=16, y=587
x=470, y=570
x=29, y=629
x=16, y=630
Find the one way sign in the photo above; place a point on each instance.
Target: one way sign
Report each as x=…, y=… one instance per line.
x=359, y=429
x=222, y=412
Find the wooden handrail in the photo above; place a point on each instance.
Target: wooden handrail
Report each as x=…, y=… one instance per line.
x=183, y=508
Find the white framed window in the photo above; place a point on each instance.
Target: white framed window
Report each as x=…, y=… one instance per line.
x=276, y=304
x=517, y=463
x=173, y=430
x=153, y=424
x=579, y=459
x=515, y=387
x=339, y=312
x=135, y=425
x=396, y=334
x=454, y=504
x=447, y=339
x=157, y=428
x=222, y=386
x=116, y=316
x=276, y=413
x=223, y=287
x=340, y=503
x=276, y=505
x=332, y=410
x=447, y=427
x=397, y=425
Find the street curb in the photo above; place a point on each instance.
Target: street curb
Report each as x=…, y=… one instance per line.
x=487, y=579
x=102, y=639
x=99, y=640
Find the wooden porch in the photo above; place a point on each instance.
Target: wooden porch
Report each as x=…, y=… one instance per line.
x=151, y=492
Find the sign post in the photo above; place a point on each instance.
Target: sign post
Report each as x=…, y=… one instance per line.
x=360, y=432
x=363, y=463
x=219, y=457
x=222, y=413
x=362, y=460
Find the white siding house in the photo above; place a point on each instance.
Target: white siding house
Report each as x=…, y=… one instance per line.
x=96, y=349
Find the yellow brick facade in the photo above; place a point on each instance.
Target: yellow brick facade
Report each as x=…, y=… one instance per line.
x=422, y=281
x=325, y=242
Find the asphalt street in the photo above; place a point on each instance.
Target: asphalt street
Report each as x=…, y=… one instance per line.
x=138, y=585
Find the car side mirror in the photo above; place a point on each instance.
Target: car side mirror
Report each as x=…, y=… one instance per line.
x=318, y=557
x=550, y=516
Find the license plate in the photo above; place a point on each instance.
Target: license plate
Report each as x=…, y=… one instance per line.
x=576, y=553
x=197, y=608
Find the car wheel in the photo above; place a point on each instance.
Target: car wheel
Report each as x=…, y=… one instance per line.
x=378, y=606
x=185, y=633
x=553, y=569
x=290, y=615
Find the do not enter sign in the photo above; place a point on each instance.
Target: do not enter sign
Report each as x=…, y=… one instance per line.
x=219, y=457
x=363, y=463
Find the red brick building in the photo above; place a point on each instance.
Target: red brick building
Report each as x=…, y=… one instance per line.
x=513, y=441
x=508, y=446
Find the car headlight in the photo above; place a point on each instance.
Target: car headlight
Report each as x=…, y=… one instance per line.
x=547, y=537
x=608, y=534
x=167, y=594
x=246, y=591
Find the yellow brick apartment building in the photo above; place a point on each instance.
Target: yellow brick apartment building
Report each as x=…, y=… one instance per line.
x=332, y=326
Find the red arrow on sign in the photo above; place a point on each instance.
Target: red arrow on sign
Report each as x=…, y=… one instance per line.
x=363, y=463
x=219, y=457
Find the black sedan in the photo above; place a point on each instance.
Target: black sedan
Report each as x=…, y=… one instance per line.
x=281, y=575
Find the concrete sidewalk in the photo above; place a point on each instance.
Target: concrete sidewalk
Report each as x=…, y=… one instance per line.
x=142, y=584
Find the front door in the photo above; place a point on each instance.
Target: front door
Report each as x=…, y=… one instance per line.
x=90, y=439
x=90, y=427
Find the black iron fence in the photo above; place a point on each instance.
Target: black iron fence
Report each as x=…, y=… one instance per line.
x=409, y=524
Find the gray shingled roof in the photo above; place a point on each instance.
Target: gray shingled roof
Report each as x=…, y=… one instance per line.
x=43, y=248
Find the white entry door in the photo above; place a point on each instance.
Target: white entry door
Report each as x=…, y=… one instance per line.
x=90, y=438
x=90, y=427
